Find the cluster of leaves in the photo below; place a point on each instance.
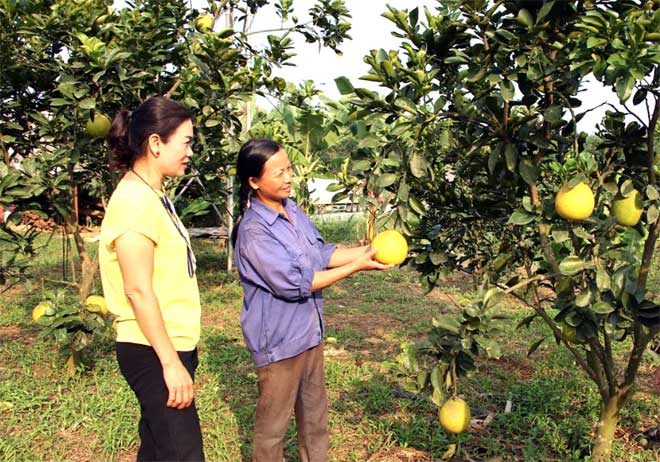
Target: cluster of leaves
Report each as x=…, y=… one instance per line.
x=73, y=326
x=451, y=348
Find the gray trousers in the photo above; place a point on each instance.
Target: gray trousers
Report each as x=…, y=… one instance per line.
x=293, y=385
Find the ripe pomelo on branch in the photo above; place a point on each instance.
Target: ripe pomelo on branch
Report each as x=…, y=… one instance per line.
x=98, y=126
x=576, y=203
x=96, y=304
x=628, y=210
x=454, y=415
x=392, y=247
x=42, y=309
x=204, y=22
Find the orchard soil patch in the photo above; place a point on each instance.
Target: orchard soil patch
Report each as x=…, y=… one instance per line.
x=16, y=334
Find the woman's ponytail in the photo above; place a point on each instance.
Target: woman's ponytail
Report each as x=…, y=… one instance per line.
x=122, y=155
x=244, y=194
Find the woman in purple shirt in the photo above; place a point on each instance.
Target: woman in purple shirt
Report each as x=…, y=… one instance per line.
x=283, y=263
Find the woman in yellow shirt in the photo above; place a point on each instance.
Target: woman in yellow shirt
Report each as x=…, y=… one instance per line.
x=148, y=276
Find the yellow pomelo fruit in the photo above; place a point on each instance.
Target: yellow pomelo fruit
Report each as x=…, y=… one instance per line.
x=96, y=304
x=628, y=210
x=204, y=22
x=455, y=415
x=575, y=203
x=99, y=126
x=392, y=247
x=43, y=308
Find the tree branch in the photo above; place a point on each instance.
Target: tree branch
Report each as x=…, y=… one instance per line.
x=523, y=283
x=169, y=93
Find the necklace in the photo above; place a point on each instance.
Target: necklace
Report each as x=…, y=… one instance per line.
x=176, y=221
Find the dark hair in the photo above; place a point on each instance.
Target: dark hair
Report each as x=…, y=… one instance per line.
x=250, y=164
x=130, y=130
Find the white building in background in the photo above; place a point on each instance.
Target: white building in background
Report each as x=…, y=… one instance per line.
x=320, y=195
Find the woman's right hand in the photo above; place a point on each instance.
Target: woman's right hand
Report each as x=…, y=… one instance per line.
x=366, y=261
x=179, y=384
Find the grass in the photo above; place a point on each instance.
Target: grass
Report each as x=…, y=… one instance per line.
x=93, y=416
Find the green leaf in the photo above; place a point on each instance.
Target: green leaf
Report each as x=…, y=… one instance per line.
x=56, y=102
x=627, y=188
x=560, y=235
x=511, y=157
x=619, y=280
x=438, y=396
x=527, y=321
x=490, y=346
x=602, y=307
x=447, y=323
x=387, y=179
x=525, y=18
x=371, y=78
x=528, y=171
x=417, y=206
x=611, y=188
x=493, y=159
x=418, y=164
x=507, y=89
x=624, y=87
x=603, y=280
x=582, y=233
x=593, y=42
x=535, y=346
x=553, y=114
x=640, y=96
x=212, y=123
x=361, y=165
x=545, y=9
x=438, y=258
x=570, y=266
x=492, y=297
x=334, y=187
x=652, y=193
x=652, y=214
x=583, y=299
x=88, y=103
x=406, y=104
x=344, y=85
x=421, y=379
x=520, y=218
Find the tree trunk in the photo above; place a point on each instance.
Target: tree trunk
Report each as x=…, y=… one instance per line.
x=607, y=423
x=88, y=272
x=371, y=223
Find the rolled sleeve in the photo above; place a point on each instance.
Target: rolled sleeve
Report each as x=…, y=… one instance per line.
x=270, y=266
x=326, y=253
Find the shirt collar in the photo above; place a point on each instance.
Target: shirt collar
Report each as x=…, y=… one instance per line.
x=268, y=214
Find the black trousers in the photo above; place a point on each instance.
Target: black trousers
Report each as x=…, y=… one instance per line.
x=166, y=434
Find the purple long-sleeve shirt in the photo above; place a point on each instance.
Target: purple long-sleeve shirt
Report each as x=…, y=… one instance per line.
x=276, y=260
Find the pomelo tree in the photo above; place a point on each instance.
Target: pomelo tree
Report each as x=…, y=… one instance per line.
x=68, y=67
x=483, y=99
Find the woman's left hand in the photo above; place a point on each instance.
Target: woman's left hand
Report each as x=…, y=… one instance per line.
x=366, y=261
